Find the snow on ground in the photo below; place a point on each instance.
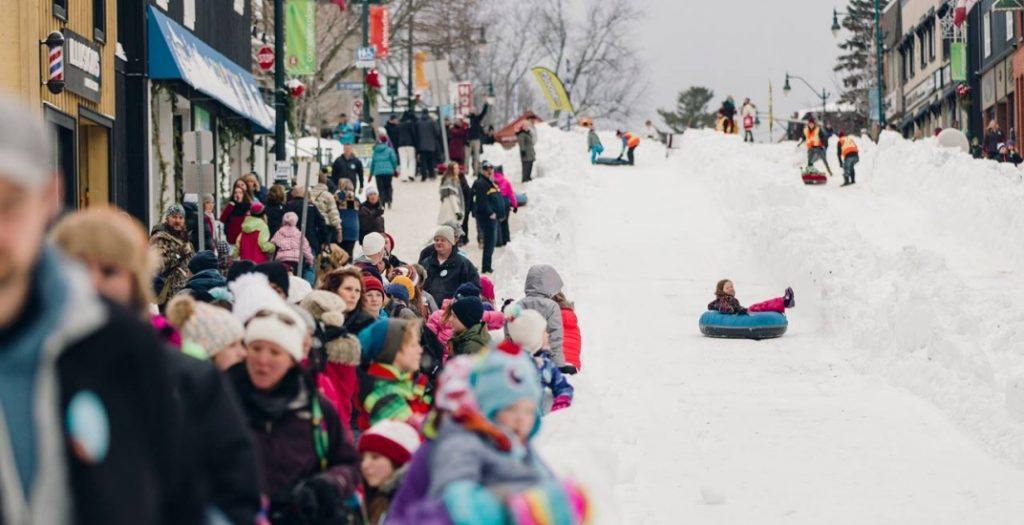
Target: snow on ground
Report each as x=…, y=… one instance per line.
x=896, y=397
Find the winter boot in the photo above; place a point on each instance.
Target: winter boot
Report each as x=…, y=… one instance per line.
x=789, y=299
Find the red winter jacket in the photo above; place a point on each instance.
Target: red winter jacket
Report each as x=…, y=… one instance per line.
x=572, y=340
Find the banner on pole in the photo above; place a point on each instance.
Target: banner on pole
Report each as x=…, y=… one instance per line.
x=958, y=61
x=300, y=37
x=554, y=90
x=380, y=29
x=420, y=60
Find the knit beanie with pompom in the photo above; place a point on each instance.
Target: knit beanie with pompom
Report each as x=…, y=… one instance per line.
x=211, y=327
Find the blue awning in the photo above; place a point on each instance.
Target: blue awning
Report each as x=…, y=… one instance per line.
x=176, y=54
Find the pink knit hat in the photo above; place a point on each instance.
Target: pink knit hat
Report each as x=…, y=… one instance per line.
x=487, y=289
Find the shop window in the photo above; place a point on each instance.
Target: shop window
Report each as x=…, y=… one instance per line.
x=931, y=44
x=986, y=34
x=99, y=20
x=60, y=9
x=1009, y=25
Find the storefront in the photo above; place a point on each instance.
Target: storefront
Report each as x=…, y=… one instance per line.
x=80, y=112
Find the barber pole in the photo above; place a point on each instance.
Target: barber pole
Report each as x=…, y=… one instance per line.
x=55, y=80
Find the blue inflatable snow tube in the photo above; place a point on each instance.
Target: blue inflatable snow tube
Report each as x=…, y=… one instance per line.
x=521, y=197
x=756, y=325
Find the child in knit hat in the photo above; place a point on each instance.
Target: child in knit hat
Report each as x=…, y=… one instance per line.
x=384, y=451
x=253, y=243
x=291, y=244
x=207, y=331
x=465, y=316
x=527, y=333
x=484, y=477
x=393, y=388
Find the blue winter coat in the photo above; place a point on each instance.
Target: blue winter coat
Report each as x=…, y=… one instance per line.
x=346, y=133
x=385, y=162
x=349, y=224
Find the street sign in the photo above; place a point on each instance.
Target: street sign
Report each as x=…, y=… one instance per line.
x=282, y=171
x=465, y=98
x=366, y=57
x=349, y=86
x=265, y=58
x=198, y=178
x=201, y=141
x=392, y=87
x=357, y=108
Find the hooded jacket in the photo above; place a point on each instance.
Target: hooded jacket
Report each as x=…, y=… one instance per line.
x=99, y=357
x=290, y=243
x=452, y=206
x=254, y=242
x=543, y=282
x=321, y=196
x=385, y=162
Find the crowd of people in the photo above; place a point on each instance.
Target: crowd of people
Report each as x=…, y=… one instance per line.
x=278, y=375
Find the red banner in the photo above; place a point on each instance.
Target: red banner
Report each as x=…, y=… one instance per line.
x=380, y=29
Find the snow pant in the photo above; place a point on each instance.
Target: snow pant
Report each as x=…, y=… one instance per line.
x=527, y=170
x=349, y=247
x=473, y=154
x=772, y=305
x=504, y=234
x=407, y=159
x=428, y=161
x=815, y=154
x=748, y=136
x=489, y=230
x=387, y=193
x=629, y=155
x=849, y=164
x=594, y=154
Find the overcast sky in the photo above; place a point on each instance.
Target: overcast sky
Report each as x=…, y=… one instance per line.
x=735, y=47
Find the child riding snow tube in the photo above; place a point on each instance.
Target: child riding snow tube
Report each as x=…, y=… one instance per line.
x=756, y=326
x=727, y=318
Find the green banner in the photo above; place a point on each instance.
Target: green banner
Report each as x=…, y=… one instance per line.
x=300, y=37
x=958, y=61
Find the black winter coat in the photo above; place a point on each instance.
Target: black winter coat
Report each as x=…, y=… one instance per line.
x=392, y=130
x=275, y=215
x=371, y=219
x=318, y=232
x=476, y=127
x=428, y=134
x=444, y=279
x=225, y=474
x=351, y=169
x=407, y=135
x=487, y=199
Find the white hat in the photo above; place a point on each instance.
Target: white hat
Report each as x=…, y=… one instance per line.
x=253, y=293
x=395, y=440
x=446, y=232
x=279, y=325
x=527, y=330
x=373, y=244
x=298, y=289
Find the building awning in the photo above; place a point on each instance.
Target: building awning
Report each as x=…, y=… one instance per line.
x=176, y=54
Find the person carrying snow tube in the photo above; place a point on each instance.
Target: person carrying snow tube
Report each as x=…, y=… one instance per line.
x=849, y=156
x=629, y=144
x=727, y=318
x=816, y=145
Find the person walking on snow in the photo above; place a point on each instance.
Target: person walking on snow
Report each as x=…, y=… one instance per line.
x=428, y=144
x=594, y=145
x=814, y=138
x=348, y=166
x=384, y=169
x=346, y=132
x=488, y=207
x=407, y=140
x=476, y=135
x=749, y=115
x=527, y=138
x=848, y=158
x=726, y=303
x=629, y=144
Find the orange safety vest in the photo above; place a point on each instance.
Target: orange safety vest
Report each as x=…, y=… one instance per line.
x=813, y=137
x=632, y=140
x=847, y=147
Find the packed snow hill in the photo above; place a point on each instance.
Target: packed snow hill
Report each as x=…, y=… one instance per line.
x=895, y=396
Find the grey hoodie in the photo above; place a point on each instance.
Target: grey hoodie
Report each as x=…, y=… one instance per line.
x=543, y=282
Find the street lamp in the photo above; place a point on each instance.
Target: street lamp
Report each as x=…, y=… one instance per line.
x=786, y=88
x=879, y=47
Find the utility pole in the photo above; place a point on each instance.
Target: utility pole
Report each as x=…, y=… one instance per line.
x=879, y=44
x=411, y=89
x=367, y=129
x=280, y=149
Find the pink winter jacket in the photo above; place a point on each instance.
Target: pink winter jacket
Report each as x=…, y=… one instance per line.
x=288, y=239
x=436, y=323
x=506, y=188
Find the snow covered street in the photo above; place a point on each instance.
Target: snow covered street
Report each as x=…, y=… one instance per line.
x=893, y=398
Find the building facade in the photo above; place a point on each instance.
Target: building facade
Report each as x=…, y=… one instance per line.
x=892, y=32
x=82, y=114
x=929, y=98
x=994, y=42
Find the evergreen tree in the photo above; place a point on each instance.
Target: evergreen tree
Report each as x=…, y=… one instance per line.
x=691, y=110
x=857, y=63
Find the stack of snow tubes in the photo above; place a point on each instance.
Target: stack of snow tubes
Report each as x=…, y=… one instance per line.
x=757, y=326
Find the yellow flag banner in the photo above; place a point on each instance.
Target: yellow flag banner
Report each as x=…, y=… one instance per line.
x=554, y=90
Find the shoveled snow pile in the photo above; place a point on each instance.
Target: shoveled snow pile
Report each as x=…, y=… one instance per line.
x=912, y=273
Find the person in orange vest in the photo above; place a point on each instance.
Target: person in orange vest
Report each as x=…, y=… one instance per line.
x=816, y=144
x=849, y=156
x=629, y=144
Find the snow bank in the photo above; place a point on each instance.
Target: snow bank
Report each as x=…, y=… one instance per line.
x=911, y=273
